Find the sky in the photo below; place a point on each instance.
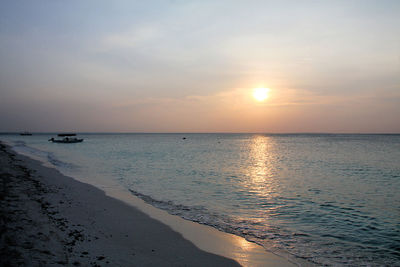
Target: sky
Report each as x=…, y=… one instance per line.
x=192, y=66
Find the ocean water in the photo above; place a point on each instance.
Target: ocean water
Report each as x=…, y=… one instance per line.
x=330, y=199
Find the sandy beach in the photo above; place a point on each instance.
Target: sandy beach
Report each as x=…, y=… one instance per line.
x=50, y=219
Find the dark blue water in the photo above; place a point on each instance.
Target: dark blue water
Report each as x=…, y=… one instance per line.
x=329, y=199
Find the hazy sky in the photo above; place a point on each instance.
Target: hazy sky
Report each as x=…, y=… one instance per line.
x=191, y=66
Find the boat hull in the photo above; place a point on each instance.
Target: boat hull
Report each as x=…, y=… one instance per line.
x=67, y=141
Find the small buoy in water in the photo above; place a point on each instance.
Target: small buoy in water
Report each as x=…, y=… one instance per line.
x=184, y=138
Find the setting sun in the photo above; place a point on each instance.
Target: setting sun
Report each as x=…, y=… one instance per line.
x=260, y=94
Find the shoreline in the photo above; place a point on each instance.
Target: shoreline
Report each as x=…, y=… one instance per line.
x=64, y=206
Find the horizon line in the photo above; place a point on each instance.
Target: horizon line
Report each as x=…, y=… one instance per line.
x=139, y=132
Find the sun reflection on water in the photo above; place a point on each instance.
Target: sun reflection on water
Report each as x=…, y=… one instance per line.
x=261, y=170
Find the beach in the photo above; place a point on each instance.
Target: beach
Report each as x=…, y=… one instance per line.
x=51, y=219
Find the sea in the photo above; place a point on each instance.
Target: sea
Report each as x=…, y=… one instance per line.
x=330, y=199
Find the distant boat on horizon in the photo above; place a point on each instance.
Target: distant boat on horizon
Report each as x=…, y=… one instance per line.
x=68, y=139
x=25, y=133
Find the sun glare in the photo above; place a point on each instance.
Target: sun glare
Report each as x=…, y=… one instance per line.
x=260, y=94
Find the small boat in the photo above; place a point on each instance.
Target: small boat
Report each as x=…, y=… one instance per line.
x=25, y=133
x=67, y=139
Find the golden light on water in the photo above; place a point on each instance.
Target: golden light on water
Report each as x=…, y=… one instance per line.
x=260, y=94
x=261, y=170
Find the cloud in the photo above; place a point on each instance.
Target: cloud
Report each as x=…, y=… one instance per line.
x=133, y=38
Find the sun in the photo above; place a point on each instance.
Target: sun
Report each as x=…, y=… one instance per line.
x=260, y=94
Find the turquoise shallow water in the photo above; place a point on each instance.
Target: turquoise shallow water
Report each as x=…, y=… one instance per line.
x=330, y=199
